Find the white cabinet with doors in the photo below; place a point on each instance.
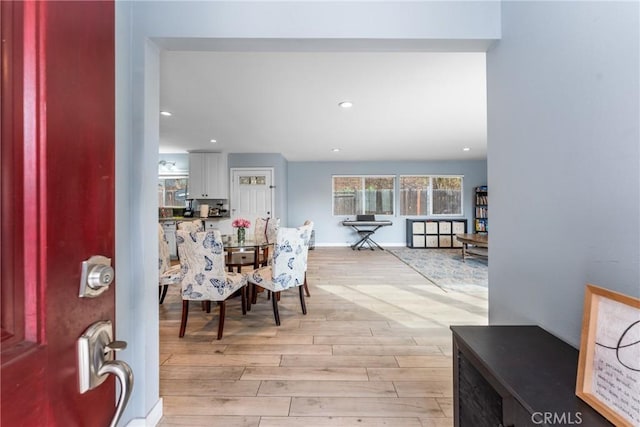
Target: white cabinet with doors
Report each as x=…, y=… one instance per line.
x=208, y=176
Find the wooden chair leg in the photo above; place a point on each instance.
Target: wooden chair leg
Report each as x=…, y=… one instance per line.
x=207, y=304
x=243, y=296
x=249, y=295
x=276, y=315
x=185, y=315
x=163, y=292
x=222, y=306
x=254, y=293
x=306, y=286
x=302, y=304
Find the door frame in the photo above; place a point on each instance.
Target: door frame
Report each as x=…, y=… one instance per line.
x=137, y=124
x=270, y=170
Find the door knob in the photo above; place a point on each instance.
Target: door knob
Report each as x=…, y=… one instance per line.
x=96, y=349
x=97, y=275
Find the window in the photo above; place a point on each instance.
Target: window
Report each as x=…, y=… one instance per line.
x=355, y=195
x=446, y=198
x=430, y=195
x=172, y=191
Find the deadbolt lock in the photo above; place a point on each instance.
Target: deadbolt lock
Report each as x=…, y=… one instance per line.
x=97, y=275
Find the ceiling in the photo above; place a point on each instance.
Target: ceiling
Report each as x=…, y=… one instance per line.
x=406, y=105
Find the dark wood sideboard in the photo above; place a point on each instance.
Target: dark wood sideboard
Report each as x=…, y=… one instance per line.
x=516, y=376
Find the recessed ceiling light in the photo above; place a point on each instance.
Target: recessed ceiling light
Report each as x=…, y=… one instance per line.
x=346, y=104
x=335, y=150
x=165, y=113
x=466, y=149
x=213, y=141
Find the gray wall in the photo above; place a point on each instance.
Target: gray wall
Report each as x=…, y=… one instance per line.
x=137, y=129
x=563, y=158
x=296, y=199
x=310, y=194
x=267, y=160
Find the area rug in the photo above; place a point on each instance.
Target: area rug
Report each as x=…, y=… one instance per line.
x=444, y=267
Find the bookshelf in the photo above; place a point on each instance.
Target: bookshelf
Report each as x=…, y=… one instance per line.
x=481, y=221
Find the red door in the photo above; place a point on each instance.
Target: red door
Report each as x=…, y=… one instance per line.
x=57, y=165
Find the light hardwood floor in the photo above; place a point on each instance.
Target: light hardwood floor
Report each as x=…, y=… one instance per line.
x=373, y=350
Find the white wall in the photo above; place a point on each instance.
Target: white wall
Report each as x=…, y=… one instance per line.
x=563, y=160
x=141, y=26
x=360, y=20
x=181, y=161
x=137, y=127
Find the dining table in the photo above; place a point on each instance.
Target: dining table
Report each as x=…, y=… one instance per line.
x=243, y=253
x=246, y=253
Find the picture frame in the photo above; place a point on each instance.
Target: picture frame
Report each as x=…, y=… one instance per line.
x=608, y=377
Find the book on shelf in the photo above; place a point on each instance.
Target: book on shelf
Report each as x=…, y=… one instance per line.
x=481, y=225
x=482, y=200
x=482, y=212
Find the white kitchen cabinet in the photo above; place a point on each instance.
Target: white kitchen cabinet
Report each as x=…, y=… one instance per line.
x=208, y=176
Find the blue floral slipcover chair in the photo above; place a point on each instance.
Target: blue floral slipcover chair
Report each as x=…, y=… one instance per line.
x=266, y=229
x=288, y=267
x=204, y=277
x=308, y=243
x=193, y=225
x=167, y=274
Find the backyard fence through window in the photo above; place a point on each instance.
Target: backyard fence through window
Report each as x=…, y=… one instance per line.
x=355, y=195
x=430, y=195
x=418, y=195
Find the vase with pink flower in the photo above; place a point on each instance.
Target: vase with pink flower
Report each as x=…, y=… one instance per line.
x=241, y=224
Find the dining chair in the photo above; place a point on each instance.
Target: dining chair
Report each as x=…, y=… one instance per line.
x=288, y=267
x=193, y=225
x=204, y=276
x=266, y=229
x=167, y=274
x=308, y=243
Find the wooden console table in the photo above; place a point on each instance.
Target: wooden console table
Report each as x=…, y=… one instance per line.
x=479, y=242
x=516, y=376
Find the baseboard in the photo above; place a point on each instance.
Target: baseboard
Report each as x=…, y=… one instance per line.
x=340, y=245
x=152, y=419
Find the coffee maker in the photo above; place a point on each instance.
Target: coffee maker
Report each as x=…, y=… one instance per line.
x=188, y=212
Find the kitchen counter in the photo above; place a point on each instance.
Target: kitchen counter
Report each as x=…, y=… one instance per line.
x=182, y=218
x=177, y=218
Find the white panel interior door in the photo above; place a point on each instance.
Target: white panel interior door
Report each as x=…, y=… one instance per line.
x=252, y=194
